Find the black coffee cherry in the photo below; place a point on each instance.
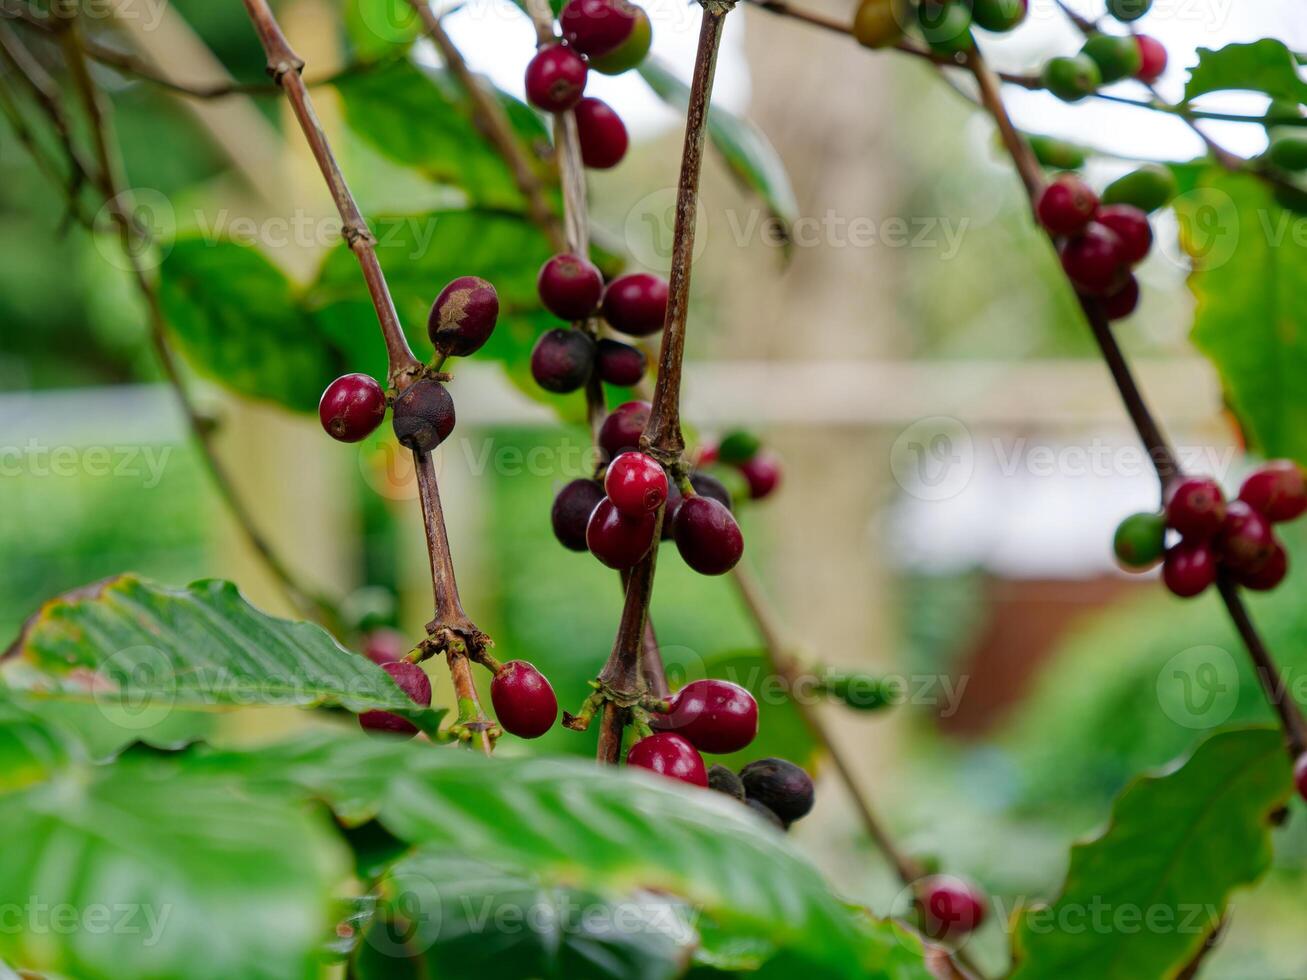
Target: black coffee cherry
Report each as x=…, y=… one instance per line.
x=619, y=364
x=562, y=360
x=707, y=536
x=725, y=781
x=572, y=509
x=423, y=416
x=463, y=316
x=779, y=785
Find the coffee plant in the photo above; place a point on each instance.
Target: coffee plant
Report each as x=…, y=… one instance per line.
x=401, y=849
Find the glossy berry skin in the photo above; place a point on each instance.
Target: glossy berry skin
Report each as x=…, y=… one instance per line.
x=670, y=755
x=386, y=646
x=1245, y=542
x=1128, y=10
x=463, y=316
x=1196, y=507
x=1131, y=226
x=562, y=360
x=1120, y=304
x=636, y=304
x=616, y=539
x=602, y=134
x=1140, y=541
x=630, y=52
x=524, y=701
x=597, y=27
x=619, y=364
x=945, y=26
x=1270, y=575
x=352, y=407
x=570, y=287
x=1116, y=57
x=877, y=23
x=763, y=474
x=555, y=78
x=1189, y=568
x=1300, y=775
x=1071, y=79
x=423, y=416
x=707, y=485
x=413, y=681
x=1278, y=490
x=1152, y=58
x=998, y=16
x=1066, y=205
x=951, y=907
x=636, y=484
x=1150, y=187
x=1093, y=260
x=707, y=536
x=781, y=786
x=571, y=512
x=623, y=428
x=717, y=717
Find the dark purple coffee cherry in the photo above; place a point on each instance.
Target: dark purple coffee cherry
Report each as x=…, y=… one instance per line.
x=602, y=134
x=717, y=717
x=413, y=681
x=707, y=536
x=616, y=539
x=555, y=78
x=669, y=755
x=623, y=428
x=766, y=812
x=779, y=785
x=562, y=360
x=570, y=286
x=636, y=304
x=1120, y=304
x=597, y=27
x=352, y=407
x=1131, y=226
x=1094, y=260
x=1245, y=542
x=1189, y=567
x=724, y=780
x=571, y=513
x=463, y=317
x=524, y=700
x=619, y=364
x=423, y=416
x=386, y=646
x=1196, y=507
x=707, y=485
x=1269, y=576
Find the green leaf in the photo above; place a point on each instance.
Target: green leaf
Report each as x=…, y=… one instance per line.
x=139, y=652
x=1141, y=900
x=750, y=156
x=29, y=750
x=1250, y=273
x=1262, y=66
x=376, y=27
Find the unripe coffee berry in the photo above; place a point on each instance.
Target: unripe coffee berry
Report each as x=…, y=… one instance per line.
x=570, y=286
x=1128, y=10
x=1245, y=542
x=1140, y=541
x=738, y=446
x=717, y=717
x=463, y=317
x=763, y=474
x=1071, y=79
x=630, y=52
x=636, y=484
x=1270, y=575
x=1120, y=304
x=423, y=416
x=602, y=134
x=1189, y=568
x=998, y=16
x=1152, y=58
x=707, y=536
x=616, y=539
x=562, y=360
x=1131, y=226
x=571, y=512
x=1116, y=57
x=413, y=681
x=524, y=701
x=1093, y=260
x=951, y=907
x=779, y=785
x=623, y=428
x=597, y=27
x=555, y=78
x=1066, y=205
x=352, y=407
x=945, y=26
x=1150, y=187
x=668, y=754
x=636, y=304
x=620, y=364
x=1195, y=507
x=1278, y=490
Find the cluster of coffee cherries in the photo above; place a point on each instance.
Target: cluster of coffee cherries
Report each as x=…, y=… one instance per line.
x=945, y=25
x=1107, y=58
x=743, y=452
x=1214, y=535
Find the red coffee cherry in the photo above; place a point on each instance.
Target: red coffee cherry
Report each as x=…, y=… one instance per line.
x=1093, y=260
x=570, y=287
x=602, y=134
x=555, y=78
x=636, y=484
x=1278, y=490
x=571, y=512
x=385, y=646
x=716, y=716
x=616, y=539
x=1270, y=575
x=781, y=786
x=619, y=364
x=668, y=754
x=1152, y=58
x=623, y=428
x=951, y=907
x=562, y=360
x=1131, y=226
x=523, y=699
x=1123, y=302
x=763, y=473
x=352, y=407
x=636, y=304
x=1189, y=568
x=630, y=52
x=1245, y=542
x=1300, y=775
x=1066, y=205
x=463, y=316
x=423, y=416
x=1195, y=507
x=707, y=536
x=597, y=27
x=413, y=681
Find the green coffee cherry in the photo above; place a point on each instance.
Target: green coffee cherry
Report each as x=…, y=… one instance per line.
x=630, y=52
x=879, y=23
x=861, y=692
x=738, y=446
x=998, y=16
x=1057, y=154
x=945, y=26
x=1288, y=149
x=1128, y=10
x=1071, y=79
x=1116, y=57
x=1140, y=541
x=1150, y=187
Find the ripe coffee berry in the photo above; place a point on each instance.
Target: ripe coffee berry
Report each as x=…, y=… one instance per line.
x=1123, y=302
x=1270, y=575
x=763, y=474
x=1278, y=490
x=780, y=786
x=524, y=701
x=1131, y=226
x=623, y=428
x=570, y=287
x=716, y=716
x=1300, y=775
x=562, y=360
x=723, y=780
x=597, y=27
x=555, y=78
x=636, y=304
x=413, y=681
x=423, y=416
x=707, y=536
x=668, y=754
x=1093, y=260
x=951, y=907
x=385, y=646
x=602, y=134
x=352, y=407
x=1066, y=205
x=1152, y=58
x=1140, y=541
x=636, y=484
x=618, y=363
x=463, y=317
x=571, y=512
x=1245, y=542
x=630, y=52
x=1195, y=507
x=1189, y=568
x=707, y=485
x=616, y=539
